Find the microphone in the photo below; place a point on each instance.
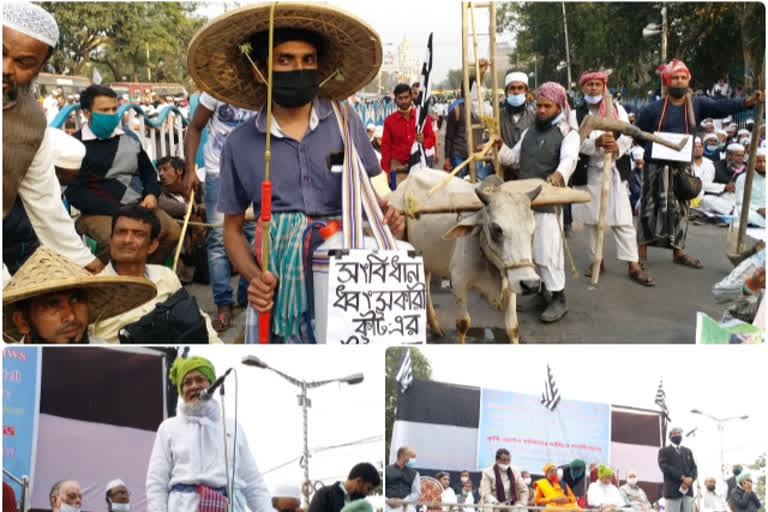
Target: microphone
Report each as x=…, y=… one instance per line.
x=208, y=393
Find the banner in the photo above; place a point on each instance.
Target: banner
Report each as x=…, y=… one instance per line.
x=534, y=435
x=21, y=406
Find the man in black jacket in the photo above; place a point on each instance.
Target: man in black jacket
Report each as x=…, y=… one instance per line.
x=679, y=469
x=362, y=479
x=731, y=482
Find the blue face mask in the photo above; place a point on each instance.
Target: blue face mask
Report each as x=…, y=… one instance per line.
x=515, y=100
x=577, y=474
x=709, y=148
x=559, y=118
x=102, y=125
x=411, y=463
x=593, y=100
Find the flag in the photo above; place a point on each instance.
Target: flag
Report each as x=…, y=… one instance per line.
x=661, y=399
x=405, y=373
x=418, y=158
x=551, y=396
x=97, y=77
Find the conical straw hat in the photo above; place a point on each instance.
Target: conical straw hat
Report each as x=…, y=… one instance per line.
x=217, y=65
x=46, y=271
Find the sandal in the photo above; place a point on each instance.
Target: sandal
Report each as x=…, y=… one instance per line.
x=223, y=320
x=687, y=261
x=641, y=277
x=643, y=262
x=588, y=272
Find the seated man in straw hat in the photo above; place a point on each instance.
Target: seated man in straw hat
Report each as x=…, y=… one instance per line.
x=135, y=232
x=53, y=300
x=187, y=470
x=313, y=61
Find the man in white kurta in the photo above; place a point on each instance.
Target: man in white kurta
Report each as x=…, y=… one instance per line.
x=603, y=493
x=538, y=154
x=710, y=500
x=619, y=211
x=189, y=452
x=704, y=169
x=756, y=204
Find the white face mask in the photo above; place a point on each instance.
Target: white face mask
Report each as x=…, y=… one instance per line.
x=632, y=481
x=121, y=507
x=464, y=479
x=68, y=508
x=503, y=467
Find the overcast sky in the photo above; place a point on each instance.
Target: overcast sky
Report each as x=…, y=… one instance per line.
x=271, y=417
x=722, y=381
x=393, y=19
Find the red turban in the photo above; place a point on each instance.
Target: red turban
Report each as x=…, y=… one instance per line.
x=555, y=92
x=602, y=76
x=667, y=70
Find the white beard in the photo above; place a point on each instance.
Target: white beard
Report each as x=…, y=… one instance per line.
x=199, y=408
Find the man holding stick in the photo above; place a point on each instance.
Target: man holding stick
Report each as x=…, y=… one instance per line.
x=618, y=213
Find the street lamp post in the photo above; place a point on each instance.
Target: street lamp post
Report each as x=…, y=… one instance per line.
x=305, y=403
x=567, y=48
x=721, y=430
x=652, y=29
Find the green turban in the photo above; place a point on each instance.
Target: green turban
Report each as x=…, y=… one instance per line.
x=181, y=367
x=744, y=475
x=604, y=471
x=578, y=464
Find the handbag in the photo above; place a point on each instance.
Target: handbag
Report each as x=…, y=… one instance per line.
x=687, y=186
x=175, y=320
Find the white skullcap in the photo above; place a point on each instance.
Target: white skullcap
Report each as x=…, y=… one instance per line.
x=744, y=131
x=31, y=20
x=721, y=132
x=516, y=76
x=707, y=122
x=761, y=151
x=379, y=131
x=114, y=483
x=696, y=140
x=370, y=126
x=710, y=136
x=68, y=152
x=750, y=121
x=730, y=127
x=744, y=141
x=286, y=491
x=735, y=147
x=727, y=119
x=638, y=152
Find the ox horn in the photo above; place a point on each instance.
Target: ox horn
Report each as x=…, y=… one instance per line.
x=534, y=193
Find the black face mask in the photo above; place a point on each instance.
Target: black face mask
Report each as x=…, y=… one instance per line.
x=677, y=92
x=356, y=496
x=711, y=488
x=292, y=89
x=676, y=440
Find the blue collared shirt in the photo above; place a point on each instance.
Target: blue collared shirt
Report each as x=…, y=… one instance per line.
x=303, y=179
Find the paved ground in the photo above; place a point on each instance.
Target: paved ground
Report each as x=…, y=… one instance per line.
x=617, y=310
x=202, y=293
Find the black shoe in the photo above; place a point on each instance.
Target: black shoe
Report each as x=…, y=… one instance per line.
x=556, y=309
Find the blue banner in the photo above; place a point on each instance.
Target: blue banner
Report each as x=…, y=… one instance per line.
x=534, y=435
x=21, y=407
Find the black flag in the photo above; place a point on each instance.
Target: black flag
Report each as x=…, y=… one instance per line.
x=418, y=159
x=551, y=396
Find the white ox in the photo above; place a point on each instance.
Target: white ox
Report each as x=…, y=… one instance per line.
x=489, y=250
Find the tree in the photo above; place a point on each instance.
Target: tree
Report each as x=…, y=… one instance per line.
x=758, y=467
x=422, y=370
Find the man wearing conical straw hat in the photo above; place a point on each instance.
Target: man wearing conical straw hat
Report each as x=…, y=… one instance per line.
x=53, y=300
x=318, y=54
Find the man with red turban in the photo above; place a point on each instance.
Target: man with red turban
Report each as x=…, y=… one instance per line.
x=549, y=150
x=664, y=217
x=589, y=178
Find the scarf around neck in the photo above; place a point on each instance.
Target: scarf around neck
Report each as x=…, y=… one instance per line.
x=500, y=485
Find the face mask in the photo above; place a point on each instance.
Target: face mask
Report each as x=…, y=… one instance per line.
x=527, y=481
x=711, y=488
x=292, y=89
x=516, y=100
x=677, y=92
x=552, y=478
x=710, y=148
x=676, y=440
x=632, y=481
x=503, y=467
x=68, y=508
x=465, y=493
x=411, y=462
x=356, y=496
x=464, y=479
x=593, y=100
x=577, y=474
x=121, y=507
x=102, y=125
x=737, y=471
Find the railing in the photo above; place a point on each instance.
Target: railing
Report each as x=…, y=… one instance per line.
x=160, y=135
x=24, y=483
x=375, y=112
x=515, y=508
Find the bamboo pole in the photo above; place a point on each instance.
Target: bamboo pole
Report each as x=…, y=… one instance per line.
x=495, y=85
x=744, y=215
x=184, y=229
x=467, y=98
x=604, y=192
x=472, y=156
x=478, y=82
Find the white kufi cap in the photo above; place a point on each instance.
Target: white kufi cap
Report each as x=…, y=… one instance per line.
x=638, y=152
x=31, y=20
x=114, y=483
x=68, y=152
x=516, y=76
x=378, y=131
x=735, y=147
x=286, y=491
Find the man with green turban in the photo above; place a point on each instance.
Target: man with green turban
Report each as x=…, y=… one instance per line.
x=743, y=497
x=574, y=476
x=187, y=467
x=603, y=493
